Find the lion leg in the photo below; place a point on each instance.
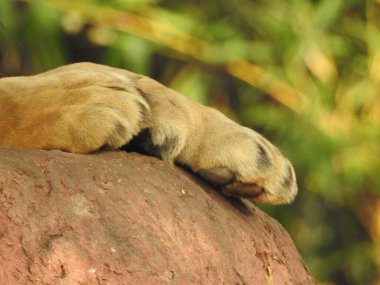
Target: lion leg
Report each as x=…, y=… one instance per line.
x=83, y=107
x=72, y=110
x=224, y=153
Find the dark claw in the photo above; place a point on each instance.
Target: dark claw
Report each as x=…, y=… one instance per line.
x=219, y=176
x=243, y=190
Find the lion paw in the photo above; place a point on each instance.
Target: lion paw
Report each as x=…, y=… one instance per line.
x=252, y=168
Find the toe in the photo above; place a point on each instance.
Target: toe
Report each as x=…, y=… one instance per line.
x=243, y=190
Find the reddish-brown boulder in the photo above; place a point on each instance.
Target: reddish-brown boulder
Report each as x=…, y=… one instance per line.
x=125, y=218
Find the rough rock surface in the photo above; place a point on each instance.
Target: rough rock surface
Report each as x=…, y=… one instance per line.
x=125, y=218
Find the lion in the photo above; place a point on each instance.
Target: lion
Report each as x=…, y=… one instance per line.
x=84, y=107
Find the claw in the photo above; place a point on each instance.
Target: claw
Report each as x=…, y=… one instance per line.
x=219, y=176
x=243, y=190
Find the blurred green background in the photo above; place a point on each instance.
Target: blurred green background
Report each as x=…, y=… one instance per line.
x=304, y=73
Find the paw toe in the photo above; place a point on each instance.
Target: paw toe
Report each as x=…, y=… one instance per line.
x=243, y=190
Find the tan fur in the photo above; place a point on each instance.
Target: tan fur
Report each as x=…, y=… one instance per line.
x=82, y=107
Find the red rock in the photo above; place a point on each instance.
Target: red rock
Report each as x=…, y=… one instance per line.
x=125, y=218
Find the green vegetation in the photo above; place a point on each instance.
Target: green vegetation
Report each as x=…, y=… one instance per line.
x=305, y=73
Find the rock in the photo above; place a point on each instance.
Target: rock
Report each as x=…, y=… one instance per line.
x=125, y=218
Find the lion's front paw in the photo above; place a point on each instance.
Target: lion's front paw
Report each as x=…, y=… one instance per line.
x=279, y=187
x=274, y=186
x=249, y=167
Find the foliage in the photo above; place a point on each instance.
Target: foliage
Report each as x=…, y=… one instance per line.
x=304, y=73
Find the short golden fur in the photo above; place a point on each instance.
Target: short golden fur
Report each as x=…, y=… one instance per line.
x=84, y=106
